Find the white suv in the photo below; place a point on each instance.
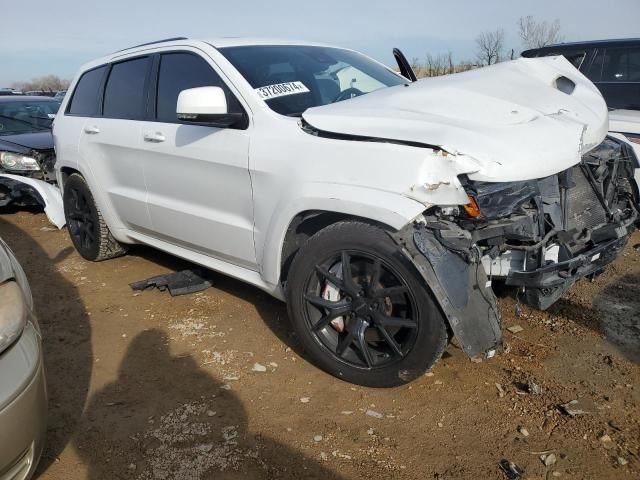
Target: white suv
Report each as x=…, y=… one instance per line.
x=379, y=208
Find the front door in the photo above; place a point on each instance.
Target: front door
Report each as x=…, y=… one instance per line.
x=198, y=185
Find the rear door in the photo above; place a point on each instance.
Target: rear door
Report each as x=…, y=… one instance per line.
x=616, y=73
x=197, y=176
x=620, y=80
x=111, y=141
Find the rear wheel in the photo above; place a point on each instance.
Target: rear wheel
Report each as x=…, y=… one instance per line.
x=361, y=310
x=89, y=232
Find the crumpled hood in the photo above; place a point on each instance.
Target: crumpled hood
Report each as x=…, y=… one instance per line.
x=505, y=122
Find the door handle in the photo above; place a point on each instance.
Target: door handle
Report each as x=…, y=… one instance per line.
x=154, y=137
x=91, y=130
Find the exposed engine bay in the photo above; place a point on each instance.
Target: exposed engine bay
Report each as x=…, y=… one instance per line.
x=539, y=236
x=544, y=235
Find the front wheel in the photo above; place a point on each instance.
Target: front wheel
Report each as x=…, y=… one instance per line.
x=361, y=310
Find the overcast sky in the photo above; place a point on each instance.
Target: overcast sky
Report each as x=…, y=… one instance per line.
x=57, y=37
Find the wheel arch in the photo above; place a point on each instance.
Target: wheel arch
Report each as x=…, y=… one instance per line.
x=306, y=224
x=65, y=173
x=296, y=220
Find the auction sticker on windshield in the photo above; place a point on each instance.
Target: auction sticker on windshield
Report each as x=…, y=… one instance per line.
x=281, y=89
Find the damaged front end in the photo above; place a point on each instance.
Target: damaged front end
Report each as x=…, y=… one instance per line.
x=539, y=236
x=543, y=235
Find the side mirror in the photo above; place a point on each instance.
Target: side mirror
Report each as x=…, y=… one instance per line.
x=206, y=106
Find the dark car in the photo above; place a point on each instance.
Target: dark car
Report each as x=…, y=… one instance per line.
x=612, y=65
x=26, y=144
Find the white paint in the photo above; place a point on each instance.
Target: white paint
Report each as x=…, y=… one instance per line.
x=509, y=117
x=50, y=194
x=202, y=101
x=224, y=198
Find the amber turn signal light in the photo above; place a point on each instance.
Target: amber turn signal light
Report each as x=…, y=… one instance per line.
x=472, y=208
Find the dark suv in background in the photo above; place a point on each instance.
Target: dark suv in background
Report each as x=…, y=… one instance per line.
x=612, y=65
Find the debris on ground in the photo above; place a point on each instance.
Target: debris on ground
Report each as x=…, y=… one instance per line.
x=511, y=470
x=257, y=367
x=548, y=459
x=515, y=329
x=523, y=431
x=374, y=414
x=500, y=390
x=178, y=283
x=607, y=442
x=576, y=407
x=534, y=388
x=304, y=399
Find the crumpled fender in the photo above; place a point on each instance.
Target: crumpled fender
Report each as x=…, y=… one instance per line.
x=46, y=195
x=460, y=287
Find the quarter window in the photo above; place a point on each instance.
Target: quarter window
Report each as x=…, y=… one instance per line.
x=85, y=96
x=576, y=58
x=621, y=65
x=124, y=93
x=181, y=71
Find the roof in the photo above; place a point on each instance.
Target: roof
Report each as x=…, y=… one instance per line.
x=222, y=42
x=587, y=43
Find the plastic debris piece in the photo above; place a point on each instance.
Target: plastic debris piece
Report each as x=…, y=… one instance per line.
x=511, y=470
x=178, y=283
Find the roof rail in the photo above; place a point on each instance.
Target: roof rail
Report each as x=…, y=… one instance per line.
x=151, y=43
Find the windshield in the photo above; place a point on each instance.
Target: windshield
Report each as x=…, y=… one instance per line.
x=24, y=116
x=292, y=78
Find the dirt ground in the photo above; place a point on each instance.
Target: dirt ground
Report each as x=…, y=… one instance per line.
x=145, y=386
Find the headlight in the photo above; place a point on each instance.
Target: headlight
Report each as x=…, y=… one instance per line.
x=16, y=161
x=13, y=313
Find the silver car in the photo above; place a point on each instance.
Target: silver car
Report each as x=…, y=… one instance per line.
x=23, y=396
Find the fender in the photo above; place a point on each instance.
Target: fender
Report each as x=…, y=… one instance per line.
x=391, y=209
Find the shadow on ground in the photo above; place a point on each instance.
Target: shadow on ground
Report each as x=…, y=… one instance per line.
x=166, y=418
x=66, y=336
x=615, y=313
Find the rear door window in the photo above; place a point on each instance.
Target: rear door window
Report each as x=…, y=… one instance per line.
x=621, y=65
x=594, y=72
x=85, y=99
x=181, y=71
x=124, y=93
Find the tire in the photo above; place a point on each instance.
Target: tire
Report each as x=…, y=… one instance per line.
x=88, y=231
x=349, y=327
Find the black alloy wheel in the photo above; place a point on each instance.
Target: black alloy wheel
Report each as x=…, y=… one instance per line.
x=372, y=323
x=361, y=310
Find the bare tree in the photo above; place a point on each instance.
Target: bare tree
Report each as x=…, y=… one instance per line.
x=536, y=34
x=48, y=83
x=490, y=46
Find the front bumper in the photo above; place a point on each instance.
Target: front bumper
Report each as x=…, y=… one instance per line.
x=23, y=406
x=551, y=281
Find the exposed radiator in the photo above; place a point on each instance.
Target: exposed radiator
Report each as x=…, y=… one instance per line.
x=584, y=210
